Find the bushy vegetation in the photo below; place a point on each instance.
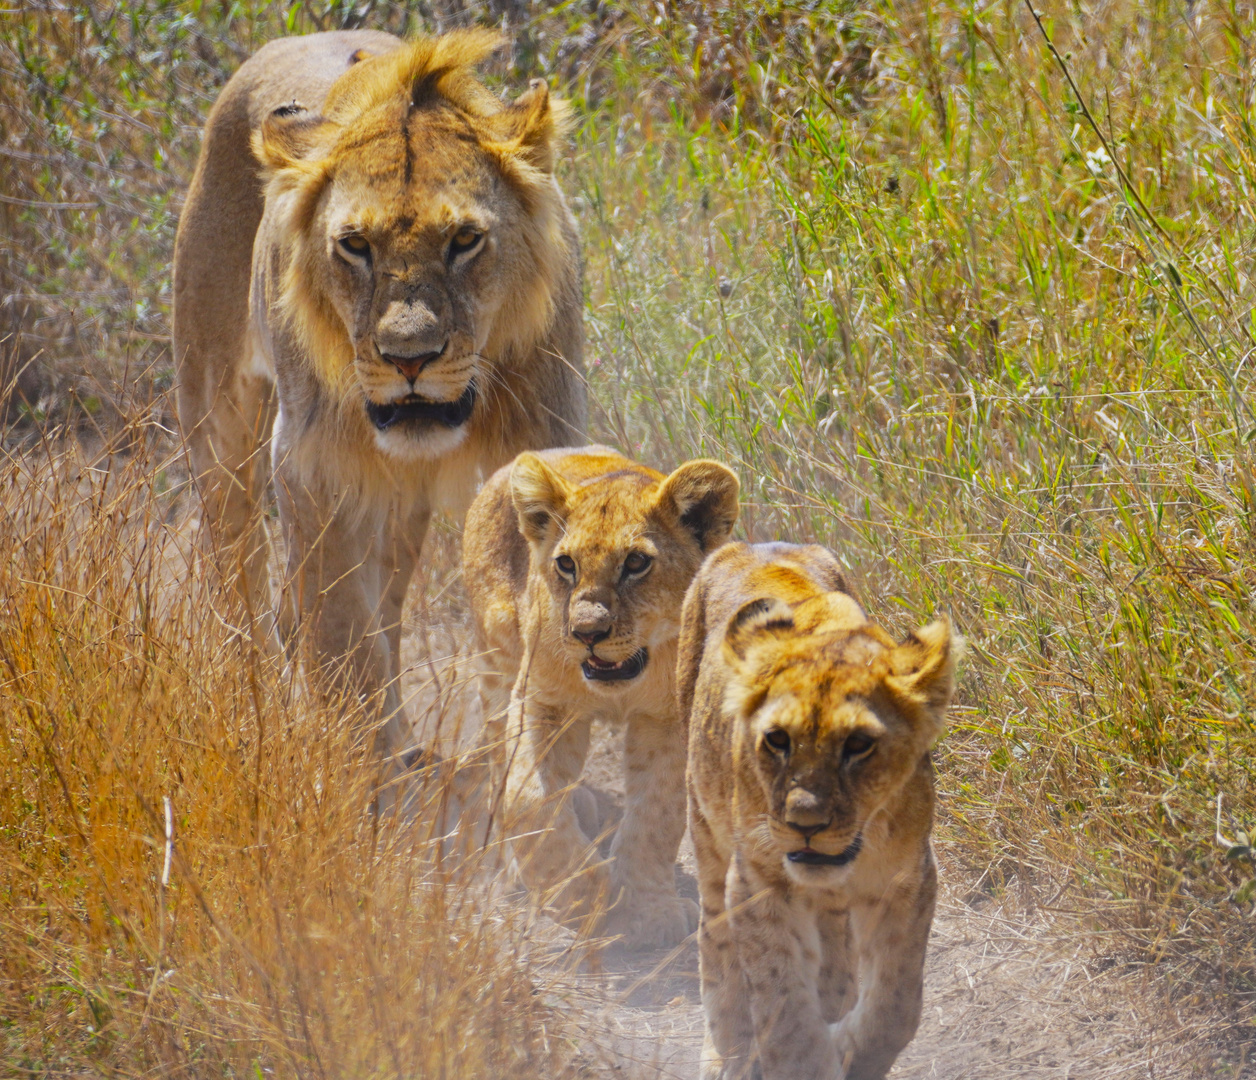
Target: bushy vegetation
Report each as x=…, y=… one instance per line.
x=972, y=310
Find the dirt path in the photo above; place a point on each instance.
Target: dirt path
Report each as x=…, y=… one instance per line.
x=1004, y=997
x=1007, y=994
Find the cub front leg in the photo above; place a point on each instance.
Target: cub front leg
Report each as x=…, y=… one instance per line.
x=544, y=753
x=728, y=1042
x=647, y=911
x=837, y=985
x=891, y=936
x=779, y=952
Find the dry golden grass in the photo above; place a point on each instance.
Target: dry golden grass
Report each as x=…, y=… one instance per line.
x=879, y=260
x=190, y=883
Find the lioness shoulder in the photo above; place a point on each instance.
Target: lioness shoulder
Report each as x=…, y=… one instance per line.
x=576, y=563
x=811, y=806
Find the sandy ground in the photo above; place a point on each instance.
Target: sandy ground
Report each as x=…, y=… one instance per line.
x=1008, y=994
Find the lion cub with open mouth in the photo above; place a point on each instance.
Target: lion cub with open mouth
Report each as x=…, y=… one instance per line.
x=810, y=805
x=577, y=562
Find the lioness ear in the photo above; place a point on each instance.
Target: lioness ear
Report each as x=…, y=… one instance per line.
x=532, y=126
x=755, y=620
x=290, y=137
x=923, y=668
x=703, y=495
x=539, y=495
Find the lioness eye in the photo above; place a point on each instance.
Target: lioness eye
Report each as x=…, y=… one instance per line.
x=857, y=745
x=636, y=562
x=464, y=240
x=355, y=245
x=778, y=740
x=566, y=565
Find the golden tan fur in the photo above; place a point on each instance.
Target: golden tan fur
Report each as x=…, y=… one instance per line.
x=400, y=266
x=811, y=807
x=576, y=562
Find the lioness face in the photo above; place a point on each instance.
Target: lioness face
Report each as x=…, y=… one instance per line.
x=413, y=253
x=832, y=724
x=423, y=218
x=616, y=554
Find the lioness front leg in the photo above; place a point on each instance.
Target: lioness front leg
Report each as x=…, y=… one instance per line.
x=890, y=937
x=230, y=457
x=544, y=752
x=781, y=968
x=647, y=910
x=333, y=605
x=397, y=553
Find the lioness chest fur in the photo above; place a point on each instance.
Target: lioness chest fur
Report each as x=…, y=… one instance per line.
x=810, y=804
x=576, y=563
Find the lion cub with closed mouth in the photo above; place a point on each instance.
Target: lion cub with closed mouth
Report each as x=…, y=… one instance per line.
x=811, y=805
x=577, y=562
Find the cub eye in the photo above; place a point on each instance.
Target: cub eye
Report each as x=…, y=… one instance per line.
x=566, y=565
x=636, y=563
x=857, y=745
x=778, y=740
x=464, y=240
x=357, y=246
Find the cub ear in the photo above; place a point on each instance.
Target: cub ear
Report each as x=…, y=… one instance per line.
x=923, y=668
x=530, y=129
x=292, y=137
x=703, y=495
x=754, y=621
x=540, y=497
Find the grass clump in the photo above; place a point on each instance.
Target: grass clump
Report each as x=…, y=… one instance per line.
x=189, y=882
x=986, y=333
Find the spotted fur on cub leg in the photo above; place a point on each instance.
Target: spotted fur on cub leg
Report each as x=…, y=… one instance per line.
x=811, y=806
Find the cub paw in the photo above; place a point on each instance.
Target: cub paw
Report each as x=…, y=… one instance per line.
x=580, y=898
x=651, y=920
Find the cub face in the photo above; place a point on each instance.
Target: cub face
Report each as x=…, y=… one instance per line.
x=830, y=723
x=616, y=554
x=425, y=223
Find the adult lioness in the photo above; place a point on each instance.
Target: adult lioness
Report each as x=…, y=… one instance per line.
x=576, y=562
x=810, y=805
x=375, y=234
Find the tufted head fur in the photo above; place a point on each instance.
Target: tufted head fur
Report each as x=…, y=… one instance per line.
x=423, y=234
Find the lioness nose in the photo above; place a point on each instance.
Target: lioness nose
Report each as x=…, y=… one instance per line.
x=410, y=366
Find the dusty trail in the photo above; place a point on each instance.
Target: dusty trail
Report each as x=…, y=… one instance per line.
x=1004, y=997
x=1007, y=994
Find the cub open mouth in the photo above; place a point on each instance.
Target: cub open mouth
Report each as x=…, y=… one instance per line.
x=599, y=670
x=450, y=413
x=809, y=857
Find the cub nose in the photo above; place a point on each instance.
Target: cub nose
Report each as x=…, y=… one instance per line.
x=806, y=813
x=590, y=621
x=409, y=367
